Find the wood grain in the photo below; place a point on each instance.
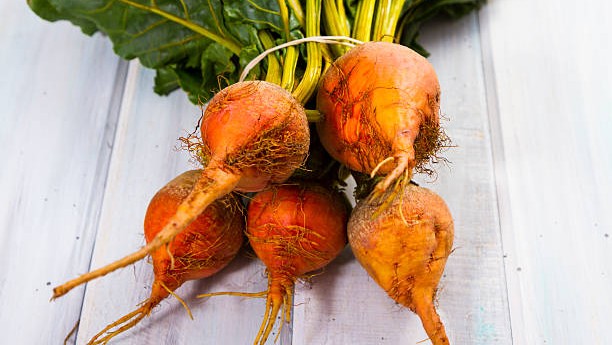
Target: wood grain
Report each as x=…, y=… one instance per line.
x=552, y=134
x=527, y=93
x=58, y=99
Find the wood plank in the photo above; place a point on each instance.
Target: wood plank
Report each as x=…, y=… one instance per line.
x=548, y=66
x=344, y=306
x=144, y=159
x=57, y=119
x=547, y=95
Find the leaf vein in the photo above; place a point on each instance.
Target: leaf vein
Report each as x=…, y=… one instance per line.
x=263, y=9
x=169, y=45
x=215, y=19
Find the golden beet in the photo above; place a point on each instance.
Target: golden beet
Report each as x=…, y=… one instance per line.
x=294, y=229
x=404, y=249
x=254, y=134
x=202, y=249
x=380, y=105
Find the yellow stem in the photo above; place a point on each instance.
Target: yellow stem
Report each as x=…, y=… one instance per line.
x=313, y=115
x=284, y=13
x=336, y=23
x=362, y=28
x=289, y=64
x=274, y=72
x=387, y=18
x=298, y=12
x=314, y=61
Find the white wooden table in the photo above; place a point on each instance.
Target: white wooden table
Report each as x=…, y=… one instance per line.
x=527, y=90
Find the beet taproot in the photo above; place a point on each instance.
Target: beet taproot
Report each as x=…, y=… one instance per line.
x=254, y=134
x=293, y=230
x=404, y=248
x=205, y=247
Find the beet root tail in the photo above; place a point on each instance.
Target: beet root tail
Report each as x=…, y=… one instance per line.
x=124, y=323
x=432, y=324
x=278, y=296
x=213, y=184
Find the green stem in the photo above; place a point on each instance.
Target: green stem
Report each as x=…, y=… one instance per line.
x=343, y=17
x=387, y=17
x=273, y=74
x=396, y=14
x=289, y=65
x=409, y=15
x=284, y=13
x=312, y=72
x=362, y=28
x=298, y=12
x=291, y=54
x=230, y=44
x=313, y=115
x=336, y=23
x=382, y=12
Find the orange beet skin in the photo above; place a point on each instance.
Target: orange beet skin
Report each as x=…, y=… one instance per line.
x=294, y=229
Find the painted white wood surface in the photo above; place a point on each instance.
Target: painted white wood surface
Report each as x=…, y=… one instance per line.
x=527, y=89
x=57, y=100
x=548, y=67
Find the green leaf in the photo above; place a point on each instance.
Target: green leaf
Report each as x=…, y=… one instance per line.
x=246, y=56
x=203, y=45
x=198, y=88
x=216, y=59
x=191, y=43
x=166, y=81
x=261, y=14
x=45, y=10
